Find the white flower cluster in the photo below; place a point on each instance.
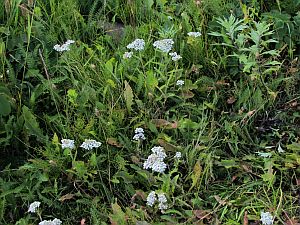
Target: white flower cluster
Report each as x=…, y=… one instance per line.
x=89, y=144
x=34, y=206
x=127, y=55
x=67, y=143
x=155, y=161
x=161, y=198
x=164, y=45
x=137, y=44
x=175, y=56
x=194, y=34
x=151, y=198
x=162, y=201
x=266, y=218
x=139, y=134
x=63, y=47
x=177, y=155
x=179, y=82
x=51, y=222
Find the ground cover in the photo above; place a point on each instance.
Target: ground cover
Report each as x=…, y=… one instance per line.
x=149, y=112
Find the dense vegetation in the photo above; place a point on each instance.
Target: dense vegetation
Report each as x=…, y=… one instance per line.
x=224, y=108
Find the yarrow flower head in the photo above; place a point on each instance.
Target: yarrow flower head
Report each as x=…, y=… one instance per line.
x=155, y=160
x=63, y=47
x=89, y=144
x=34, y=206
x=177, y=155
x=175, y=56
x=67, y=143
x=162, y=202
x=139, y=134
x=164, y=45
x=51, y=222
x=179, y=82
x=127, y=55
x=194, y=34
x=266, y=218
x=137, y=44
x=151, y=198
x=159, y=151
x=139, y=130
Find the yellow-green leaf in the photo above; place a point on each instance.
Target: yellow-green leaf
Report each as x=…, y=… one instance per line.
x=128, y=95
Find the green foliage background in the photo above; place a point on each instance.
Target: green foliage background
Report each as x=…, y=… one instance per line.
x=240, y=97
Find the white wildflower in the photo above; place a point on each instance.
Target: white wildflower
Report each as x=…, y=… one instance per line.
x=34, y=206
x=159, y=151
x=57, y=221
x=266, y=218
x=170, y=17
x=67, y=143
x=137, y=44
x=194, y=34
x=164, y=45
x=63, y=47
x=139, y=136
x=175, y=56
x=151, y=198
x=179, y=82
x=139, y=130
x=89, y=144
x=177, y=155
x=127, y=55
x=51, y=222
x=57, y=48
x=264, y=154
x=150, y=161
x=159, y=166
x=68, y=42
x=155, y=160
x=162, y=201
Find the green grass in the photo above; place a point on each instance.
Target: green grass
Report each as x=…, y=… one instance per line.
x=240, y=99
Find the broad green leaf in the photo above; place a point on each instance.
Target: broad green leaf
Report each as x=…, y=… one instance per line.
x=72, y=96
x=93, y=160
x=149, y=4
x=196, y=174
x=110, y=65
x=31, y=124
x=118, y=216
x=151, y=81
x=80, y=168
x=5, y=107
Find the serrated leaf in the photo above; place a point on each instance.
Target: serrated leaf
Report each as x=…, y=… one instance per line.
x=31, y=124
x=151, y=81
x=196, y=174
